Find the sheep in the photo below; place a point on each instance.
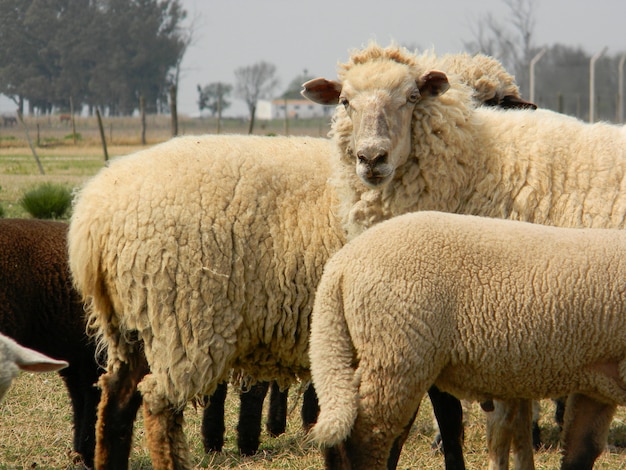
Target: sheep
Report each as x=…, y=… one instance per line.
x=225, y=236
x=492, y=86
x=418, y=142
x=15, y=357
x=121, y=258
x=484, y=308
x=170, y=242
x=40, y=310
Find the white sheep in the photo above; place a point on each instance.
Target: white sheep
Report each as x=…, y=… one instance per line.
x=205, y=253
x=418, y=142
x=485, y=309
x=15, y=357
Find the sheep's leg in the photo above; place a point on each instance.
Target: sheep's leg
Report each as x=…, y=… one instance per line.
x=585, y=431
x=213, y=420
x=166, y=439
x=381, y=421
x=536, y=430
x=523, y=456
x=559, y=412
x=310, y=408
x=117, y=410
x=277, y=418
x=337, y=457
x=396, y=448
x=84, y=396
x=500, y=433
x=250, y=416
x=449, y=414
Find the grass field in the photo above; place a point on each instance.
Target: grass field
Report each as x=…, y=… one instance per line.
x=35, y=418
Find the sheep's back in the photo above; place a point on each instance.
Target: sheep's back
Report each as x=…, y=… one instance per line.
x=208, y=242
x=510, y=309
x=37, y=303
x=551, y=169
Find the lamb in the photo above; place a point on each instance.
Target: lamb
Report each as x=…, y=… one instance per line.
x=418, y=142
x=199, y=256
x=40, y=310
x=15, y=357
x=484, y=308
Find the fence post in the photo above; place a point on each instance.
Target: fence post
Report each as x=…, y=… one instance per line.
x=30, y=142
x=592, y=83
x=102, y=137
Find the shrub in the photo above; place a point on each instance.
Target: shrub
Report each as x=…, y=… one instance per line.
x=47, y=201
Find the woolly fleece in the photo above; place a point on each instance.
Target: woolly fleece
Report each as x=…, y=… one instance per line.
x=210, y=254
x=483, y=308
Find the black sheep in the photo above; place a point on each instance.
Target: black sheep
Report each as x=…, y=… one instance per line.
x=40, y=310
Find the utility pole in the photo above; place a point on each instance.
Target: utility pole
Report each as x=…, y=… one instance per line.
x=219, y=107
x=592, y=83
x=533, y=61
x=620, y=89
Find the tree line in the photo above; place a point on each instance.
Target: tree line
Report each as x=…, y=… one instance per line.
x=109, y=53
x=561, y=77
x=98, y=53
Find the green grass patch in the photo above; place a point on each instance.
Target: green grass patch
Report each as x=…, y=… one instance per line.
x=47, y=201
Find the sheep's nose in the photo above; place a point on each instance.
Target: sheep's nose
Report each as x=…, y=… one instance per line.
x=379, y=158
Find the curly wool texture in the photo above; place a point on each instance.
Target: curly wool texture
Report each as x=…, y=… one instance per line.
x=208, y=250
x=536, y=166
x=483, y=308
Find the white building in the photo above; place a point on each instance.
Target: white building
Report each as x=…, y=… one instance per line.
x=296, y=109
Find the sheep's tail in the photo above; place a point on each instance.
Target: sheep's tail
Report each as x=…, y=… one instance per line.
x=332, y=364
x=86, y=270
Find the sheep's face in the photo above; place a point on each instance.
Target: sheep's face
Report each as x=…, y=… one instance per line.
x=379, y=99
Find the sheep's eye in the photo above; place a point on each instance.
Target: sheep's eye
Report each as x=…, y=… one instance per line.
x=414, y=96
x=344, y=101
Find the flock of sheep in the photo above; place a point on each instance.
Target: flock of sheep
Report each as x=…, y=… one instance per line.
x=371, y=263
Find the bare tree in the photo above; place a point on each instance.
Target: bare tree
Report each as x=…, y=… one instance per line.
x=255, y=82
x=186, y=38
x=510, y=41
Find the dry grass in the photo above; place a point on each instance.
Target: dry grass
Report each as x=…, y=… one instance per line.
x=35, y=432
x=35, y=418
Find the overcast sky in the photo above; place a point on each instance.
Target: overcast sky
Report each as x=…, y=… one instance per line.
x=315, y=35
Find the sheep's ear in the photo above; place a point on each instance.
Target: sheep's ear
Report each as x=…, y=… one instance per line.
x=31, y=360
x=433, y=83
x=515, y=102
x=322, y=91
x=40, y=363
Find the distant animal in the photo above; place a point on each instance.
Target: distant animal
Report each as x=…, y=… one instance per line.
x=40, y=309
x=65, y=118
x=409, y=137
x=9, y=121
x=14, y=357
x=483, y=308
